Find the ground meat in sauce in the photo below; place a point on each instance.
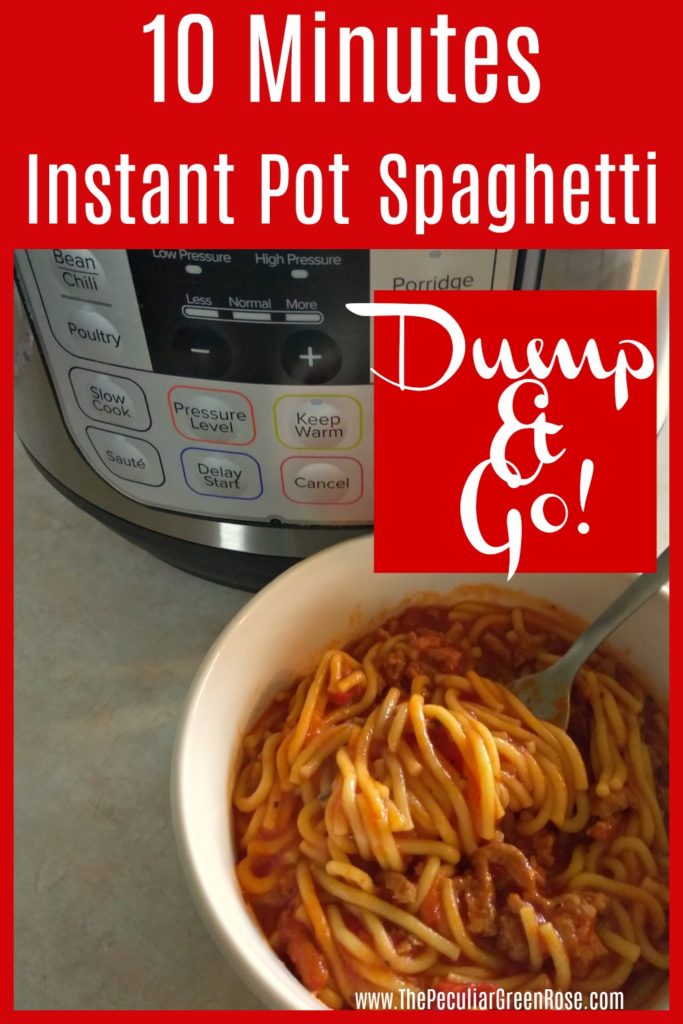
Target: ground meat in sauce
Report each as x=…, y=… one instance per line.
x=396, y=887
x=603, y=807
x=397, y=666
x=392, y=665
x=307, y=960
x=286, y=883
x=433, y=617
x=496, y=868
x=425, y=640
x=605, y=830
x=403, y=942
x=494, y=644
x=510, y=937
x=525, y=647
x=447, y=659
x=492, y=911
x=413, y=669
x=543, y=849
x=360, y=648
x=478, y=893
x=431, y=910
x=574, y=915
x=543, y=845
x=511, y=862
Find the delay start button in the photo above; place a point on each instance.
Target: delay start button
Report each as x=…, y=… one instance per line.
x=110, y=398
x=130, y=458
x=337, y=481
x=222, y=474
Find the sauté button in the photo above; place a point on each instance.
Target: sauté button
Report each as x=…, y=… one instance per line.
x=212, y=414
x=110, y=398
x=337, y=481
x=311, y=357
x=130, y=458
x=318, y=421
x=222, y=474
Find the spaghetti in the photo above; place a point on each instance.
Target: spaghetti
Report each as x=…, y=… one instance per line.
x=404, y=821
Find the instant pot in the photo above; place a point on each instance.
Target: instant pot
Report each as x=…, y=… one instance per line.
x=215, y=406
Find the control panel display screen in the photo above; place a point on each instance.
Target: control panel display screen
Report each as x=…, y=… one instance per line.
x=266, y=316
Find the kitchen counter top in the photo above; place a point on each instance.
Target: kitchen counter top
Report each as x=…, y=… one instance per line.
x=107, y=642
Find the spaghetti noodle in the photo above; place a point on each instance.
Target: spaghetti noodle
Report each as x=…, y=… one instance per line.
x=404, y=821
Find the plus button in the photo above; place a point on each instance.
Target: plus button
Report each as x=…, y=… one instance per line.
x=310, y=356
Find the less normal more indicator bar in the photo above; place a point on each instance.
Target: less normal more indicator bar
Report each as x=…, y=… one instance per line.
x=253, y=316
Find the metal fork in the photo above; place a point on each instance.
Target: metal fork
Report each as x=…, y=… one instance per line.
x=547, y=693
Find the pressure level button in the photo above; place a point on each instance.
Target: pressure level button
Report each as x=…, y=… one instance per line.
x=215, y=415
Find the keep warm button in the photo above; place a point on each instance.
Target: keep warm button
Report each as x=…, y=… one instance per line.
x=222, y=474
x=318, y=421
x=337, y=481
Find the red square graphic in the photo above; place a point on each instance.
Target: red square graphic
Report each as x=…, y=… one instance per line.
x=464, y=482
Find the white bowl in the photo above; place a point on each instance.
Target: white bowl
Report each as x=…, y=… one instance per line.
x=328, y=598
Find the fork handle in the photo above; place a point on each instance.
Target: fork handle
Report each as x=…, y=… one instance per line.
x=638, y=593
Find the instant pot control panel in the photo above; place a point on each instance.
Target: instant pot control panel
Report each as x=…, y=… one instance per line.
x=229, y=384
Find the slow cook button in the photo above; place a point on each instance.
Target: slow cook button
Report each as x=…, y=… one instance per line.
x=130, y=458
x=336, y=481
x=318, y=421
x=110, y=398
x=222, y=474
x=212, y=414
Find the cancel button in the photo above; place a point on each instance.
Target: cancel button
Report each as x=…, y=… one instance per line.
x=335, y=481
